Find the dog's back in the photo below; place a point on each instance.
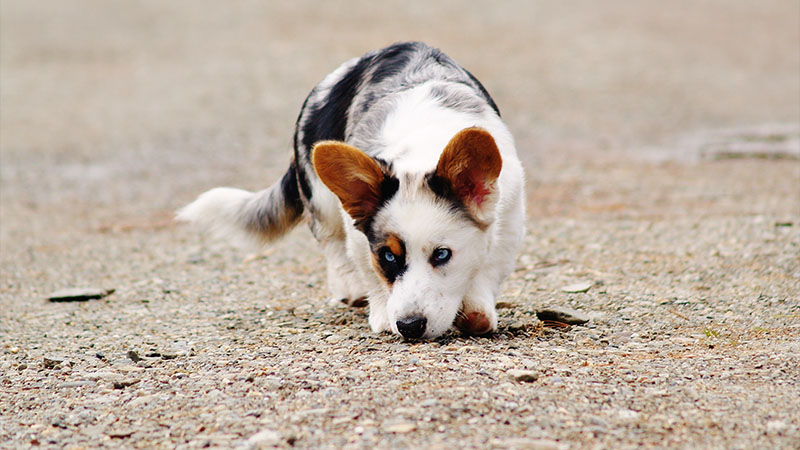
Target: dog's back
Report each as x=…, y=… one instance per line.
x=351, y=104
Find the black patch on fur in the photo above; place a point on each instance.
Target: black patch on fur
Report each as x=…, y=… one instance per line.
x=391, y=271
x=302, y=161
x=394, y=270
x=442, y=188
x=290, y=185
x=327, y=120
x=388, y=188
x=297, y=177
x=391, y=60
x=302, y=181
x=296, y=139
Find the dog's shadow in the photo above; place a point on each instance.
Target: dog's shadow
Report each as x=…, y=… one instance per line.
x=508, y=329
x=515, y=324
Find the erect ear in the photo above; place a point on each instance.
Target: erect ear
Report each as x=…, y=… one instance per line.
x=353, y=176
x=470, y=164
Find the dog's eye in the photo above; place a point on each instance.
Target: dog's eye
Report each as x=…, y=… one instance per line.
x=388, y=256
x=440, y=256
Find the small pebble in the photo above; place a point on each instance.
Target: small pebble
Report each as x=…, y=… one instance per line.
x=120, y=434
x=79, y=294
x=52, y=362
x=527, y=376
x=562, y=314
x=122, y=384
x=577, y=287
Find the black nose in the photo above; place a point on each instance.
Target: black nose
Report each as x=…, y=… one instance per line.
x=412, y=327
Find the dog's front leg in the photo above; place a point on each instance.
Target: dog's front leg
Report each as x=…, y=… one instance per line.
x=378, y=315
x=344, y=281
x=478, y=315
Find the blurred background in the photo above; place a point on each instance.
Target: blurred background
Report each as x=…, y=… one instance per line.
x=119, y=109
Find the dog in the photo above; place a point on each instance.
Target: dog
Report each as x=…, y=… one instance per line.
x=411, y=184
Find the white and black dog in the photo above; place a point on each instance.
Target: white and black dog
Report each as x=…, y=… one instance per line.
x=411, y=184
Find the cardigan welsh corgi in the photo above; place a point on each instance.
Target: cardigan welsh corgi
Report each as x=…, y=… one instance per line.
x=411, y=184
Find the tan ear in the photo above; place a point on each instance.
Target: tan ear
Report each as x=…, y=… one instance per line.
x=471, y=163
x=350, y=174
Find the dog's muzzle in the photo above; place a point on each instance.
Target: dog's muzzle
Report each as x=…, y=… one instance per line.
x=412, y=327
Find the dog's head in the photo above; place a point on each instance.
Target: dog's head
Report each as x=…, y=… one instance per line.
x=427, y=232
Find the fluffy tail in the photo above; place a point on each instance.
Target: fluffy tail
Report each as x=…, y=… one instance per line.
x=248, y=218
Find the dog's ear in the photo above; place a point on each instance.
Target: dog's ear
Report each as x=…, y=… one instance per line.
x=471, y=163
x=353, y=176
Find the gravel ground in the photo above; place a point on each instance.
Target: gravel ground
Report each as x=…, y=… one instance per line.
x=662, y=144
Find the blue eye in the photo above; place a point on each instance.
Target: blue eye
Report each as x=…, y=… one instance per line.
x=388, y=256
x=441, y=256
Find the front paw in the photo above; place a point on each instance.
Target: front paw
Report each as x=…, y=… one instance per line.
x=379, y=320
x=477, y=323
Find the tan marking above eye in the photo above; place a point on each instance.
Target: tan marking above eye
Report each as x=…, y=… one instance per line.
x=395, y=245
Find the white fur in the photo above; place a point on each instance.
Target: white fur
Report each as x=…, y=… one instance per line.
x=218, y=211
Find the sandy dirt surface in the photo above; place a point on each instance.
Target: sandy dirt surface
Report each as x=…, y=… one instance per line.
x=662, y=147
